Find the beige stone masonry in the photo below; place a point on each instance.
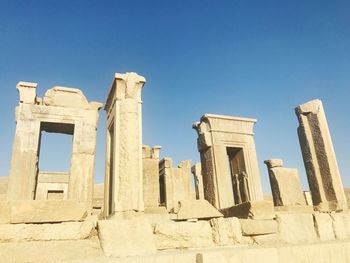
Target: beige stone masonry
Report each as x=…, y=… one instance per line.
x=176, y=184
x=296, y=228
x=251, y=210
x=319, y=158
x=150, y=160
x=196, y=209
x=61, y=113
x=228, y=157
x=48, y=232
x=258, y=227
x=198, y=180
x=285, y=184
x=126, y=237
x=170, y=235
x=123, y=169
x=227, y=231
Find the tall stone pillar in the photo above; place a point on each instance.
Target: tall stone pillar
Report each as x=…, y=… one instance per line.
x=198, y=180
x=123, y=178
x=319, y=158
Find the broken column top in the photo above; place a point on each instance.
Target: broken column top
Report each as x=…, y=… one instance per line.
x=312, y=106
x=272, y=163
x=151, y=152
x=27, y=92
x=125, y=86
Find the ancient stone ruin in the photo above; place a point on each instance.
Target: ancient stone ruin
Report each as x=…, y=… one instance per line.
x=151, y=210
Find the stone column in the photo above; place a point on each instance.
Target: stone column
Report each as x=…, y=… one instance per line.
x=285, y=184
x=151, y=175
x=25, y=147
x=124, y=158
x=198, y=180
x=319, y=158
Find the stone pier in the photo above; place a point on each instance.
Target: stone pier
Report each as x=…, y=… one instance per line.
x=123, y=170
x=319, y=158
x=198, y=180
x=285, y=184
x=150, y=161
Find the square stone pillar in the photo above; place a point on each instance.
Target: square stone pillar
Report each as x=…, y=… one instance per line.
x=198, y=180
x=151, y=175
x=319, y=158
x=285, y=184
x=123, y=178
x=177, y=185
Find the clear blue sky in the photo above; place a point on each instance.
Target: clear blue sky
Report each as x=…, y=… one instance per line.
x=254, y=59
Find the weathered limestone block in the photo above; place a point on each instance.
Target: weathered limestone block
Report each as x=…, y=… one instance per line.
x=53, y=251
x=150, y=162
x=47, y=211
x=5, y=212
x=198, y=180
x=48, y=232
x=177, y=182
x=124, y=178
x=258, y=227
x=222, y=138
x=251, y=210
x=3, y=186
x=227, y=231
x=128, y=237
x=241, y=255
x=285, y=184
x=324, y=226
x=319, y=158
x=318, y=252
x=156, y=214
x=268, y=239
x=196, y=209
x=296, y=228
x=171, y=235
x=341, y=225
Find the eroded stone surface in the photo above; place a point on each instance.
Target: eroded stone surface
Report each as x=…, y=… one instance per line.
x=285, y=184
x=227, y=231
x=46, y=211
x=324, y=226
x=258, y=227
x=42, y=232
x=128, y=237
x=296, y=228
x=169, y=235
x=251, y=210
x=319, y=158
x=201, y=209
